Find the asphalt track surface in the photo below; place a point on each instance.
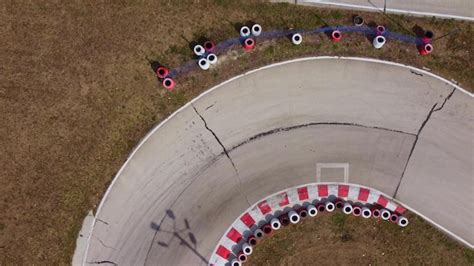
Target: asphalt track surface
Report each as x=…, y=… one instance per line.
x=401, y=131
x=457, y=9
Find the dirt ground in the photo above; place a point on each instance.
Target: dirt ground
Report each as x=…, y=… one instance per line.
x=339, y=239
x=77, y=94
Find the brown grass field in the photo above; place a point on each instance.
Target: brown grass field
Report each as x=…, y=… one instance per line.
x=77, y=93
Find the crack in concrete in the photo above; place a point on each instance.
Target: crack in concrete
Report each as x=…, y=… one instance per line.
x=416, y=73
x=280, y=129
x=102, y=221
x=225, y=152
x=102, y=262
x=433, y=109
x=445, y=100
x=103, y=244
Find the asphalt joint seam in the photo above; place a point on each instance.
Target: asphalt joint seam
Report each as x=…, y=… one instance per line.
x=102, y=262
x=225, y=152
x=417, y=136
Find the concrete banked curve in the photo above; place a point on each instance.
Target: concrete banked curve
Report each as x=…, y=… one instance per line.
x=398, y=130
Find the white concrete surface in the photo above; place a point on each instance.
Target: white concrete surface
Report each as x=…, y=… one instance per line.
x=276, y=124
x=457, y=9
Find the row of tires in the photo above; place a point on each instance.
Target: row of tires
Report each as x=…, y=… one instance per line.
x=297, y=213
x=206, y=57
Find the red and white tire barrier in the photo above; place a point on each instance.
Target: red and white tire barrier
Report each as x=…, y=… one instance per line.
x=211, y=58
x=425, y=49
x=378, y=41
x=330, y=207
x=236, y=262
x=203, y=64
x=244, y=31
x=267, y=229
x=428, y=36
x=385, y=214
x=169, y=84
x=312, y=211
x=162, y=72
x=256, y=30
x=347, y=209
x=258, y=234
x=247, y=249
x=199, y=50
x=356, y=210
x=366, y=213
x=296, y=39
x=336, y=36
x=209, y=46
x=380, y=30
x=351, y=196
x=242, y=257
x=402, y=221
x=294, y=217
x=249, y=44
x=375, y=213
x=275, y=223
x=252, y=240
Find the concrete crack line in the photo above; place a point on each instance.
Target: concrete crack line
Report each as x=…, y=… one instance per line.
x=102, y=221
x=225, y=152
x=103, y=244
x=445, y=100
x=103, y=262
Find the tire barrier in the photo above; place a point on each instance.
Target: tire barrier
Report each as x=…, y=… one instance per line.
x=425, y=49
x=312, y=211
x=358, y=21
x=296, y=39
x=376, y=213
x=294, y=217
x=267, y=229
x=212, y=59
x=366, y=213
x=385, y=214
x=303, y=213
x=320, y=207
x=236, y=262
x=336, y=36
x=428, y=36
x=356, y=210
x=209, y=46
x=203, y=64
x=275, y=223
x=380, y=30
x=247, y=249
x=242, y=257
x=284, y=220
x=256, y=30
x=249, y=44
x=252, y=241
x=199, y=50
x=394, y=218
x=244, y=31
x=258, y=234
x=162, y=72
x=290, y=206
x=169, y=84
x=378, y=42
x=402, y=221
x=347, y=208
x=330, y=207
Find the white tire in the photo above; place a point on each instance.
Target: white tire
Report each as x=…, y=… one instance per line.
x=312, y=211
x=330, y=207
x=199, y=50
x=385, y=214
x=256, y=30
x=247, y=249
x=402, y=221
x=275, y=223
x=203, y=64
x=294, y=217
x=379, y=41
x=245, y=31
x=366, y=213
x=296, y=39
x=212, y=59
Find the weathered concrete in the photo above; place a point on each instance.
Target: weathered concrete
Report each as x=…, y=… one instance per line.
x=265, y=131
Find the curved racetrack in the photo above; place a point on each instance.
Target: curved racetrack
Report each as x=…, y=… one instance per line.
x=395, y=129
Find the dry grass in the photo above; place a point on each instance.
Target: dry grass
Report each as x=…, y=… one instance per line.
x=338, y=239
x=77, y=93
